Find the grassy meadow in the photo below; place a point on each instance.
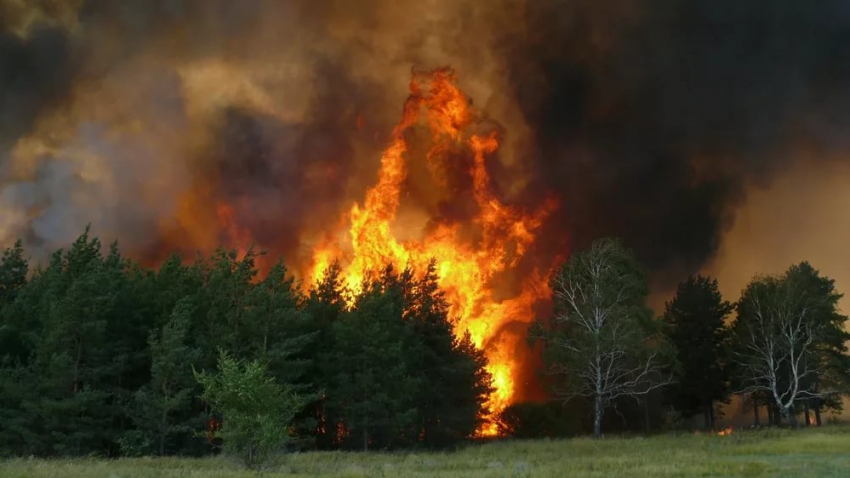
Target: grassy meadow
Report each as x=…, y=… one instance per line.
x=820, y=453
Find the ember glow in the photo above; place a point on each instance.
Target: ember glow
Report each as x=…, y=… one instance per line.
x=470, y=257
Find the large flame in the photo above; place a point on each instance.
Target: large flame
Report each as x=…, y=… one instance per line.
x=467, y=264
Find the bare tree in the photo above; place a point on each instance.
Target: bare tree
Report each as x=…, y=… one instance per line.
x=602, y=339
x=783, y=329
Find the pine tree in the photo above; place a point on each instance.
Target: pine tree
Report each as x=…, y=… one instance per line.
x=454, y=381
x=374, y=389
x=13, y=272
x=324, y=307
x=72, y=408
x=18, y=325
x=222, y=298
x=275, y=330
x=696, y=326
x=161, y=405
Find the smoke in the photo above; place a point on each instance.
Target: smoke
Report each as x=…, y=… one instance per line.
x=652, y=121
x=799, y=217
x=35, y=75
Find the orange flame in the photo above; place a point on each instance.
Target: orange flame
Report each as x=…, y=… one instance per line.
x=467, y=264
x=237, y=236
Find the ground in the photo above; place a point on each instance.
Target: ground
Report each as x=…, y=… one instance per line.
x=820, y=453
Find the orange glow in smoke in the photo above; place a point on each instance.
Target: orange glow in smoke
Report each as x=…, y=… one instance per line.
x=468, y=265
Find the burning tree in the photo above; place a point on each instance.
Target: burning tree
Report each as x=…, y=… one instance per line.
x=790, y=337
x=470, y=254
x=602, y=338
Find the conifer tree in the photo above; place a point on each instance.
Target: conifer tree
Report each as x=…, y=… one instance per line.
x=374, y=389
x=161, y=405
x=696, y=326
x=324, y=307
x=454, y=382
x=74, y=408
x=17, y=342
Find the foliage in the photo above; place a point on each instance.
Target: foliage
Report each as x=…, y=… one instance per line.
x=602, y=340
x=374, y=388
x=790, y=338
x=696, y=325
x=160, y=403
x=257, y=412
x=553, y=419
x=450, y=408
x=96, y=351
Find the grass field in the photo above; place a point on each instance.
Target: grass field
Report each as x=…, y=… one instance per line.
x=820, y=453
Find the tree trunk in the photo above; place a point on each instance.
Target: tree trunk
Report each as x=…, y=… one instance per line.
x=706, y=420
x=711, y=414
x=756, y=420
x=817, y=412
x=163, y=430
x=806, y=412
x=646, y=414
x=365, y=439
x=770, y=420
x=792, y=417
x=597, y=417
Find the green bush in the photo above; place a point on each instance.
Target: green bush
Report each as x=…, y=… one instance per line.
x=256, y=412
x=134, y=443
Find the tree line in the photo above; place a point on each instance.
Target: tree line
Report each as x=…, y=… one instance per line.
x=784, y=348
x=100, y=355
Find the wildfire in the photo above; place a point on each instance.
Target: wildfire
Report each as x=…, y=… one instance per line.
x=725, y=432
x=467, y=263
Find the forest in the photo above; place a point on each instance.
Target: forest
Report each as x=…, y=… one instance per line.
x=104, y=356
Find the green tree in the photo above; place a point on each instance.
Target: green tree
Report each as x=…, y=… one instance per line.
x=161, y=405
x=257, y=412
x=275, y=329
x=75, y=407
x=831, y=377
x=374, y=389
x=454, y=381
x=602, y=339
x=228, y=281
x=789, y=338
x=13, y=272
x=696, y=326
x=16, y=345
x=324, y=307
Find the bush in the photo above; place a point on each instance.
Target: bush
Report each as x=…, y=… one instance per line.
x=256, y=412
x=134, y=443
x=540, y=420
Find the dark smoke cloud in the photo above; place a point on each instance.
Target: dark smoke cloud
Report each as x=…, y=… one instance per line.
x=653, y=118
x=290, y=178
x=36, y=74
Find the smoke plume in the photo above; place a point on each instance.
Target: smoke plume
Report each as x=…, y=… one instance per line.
x=185, y=124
